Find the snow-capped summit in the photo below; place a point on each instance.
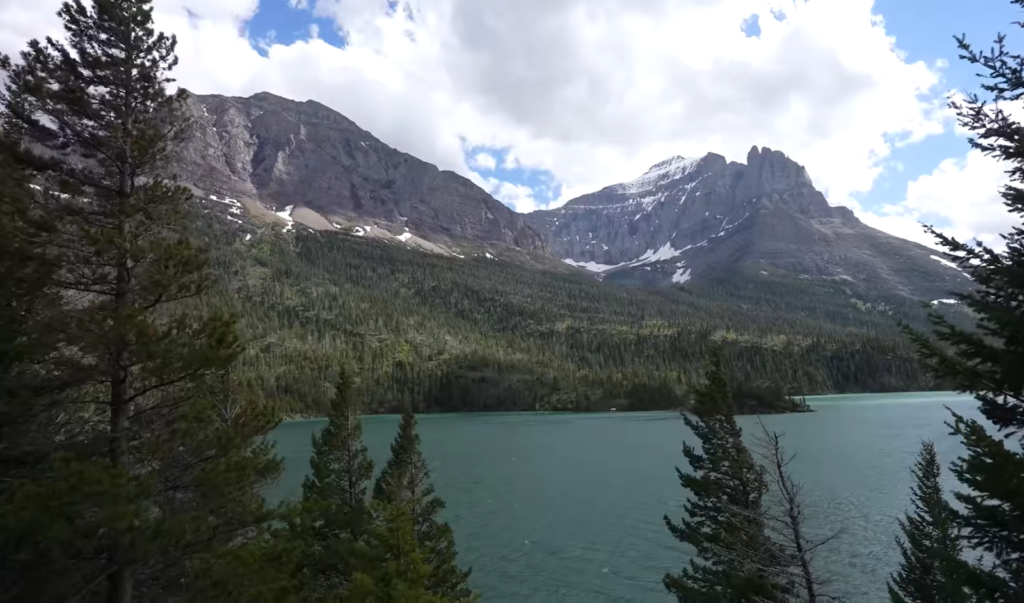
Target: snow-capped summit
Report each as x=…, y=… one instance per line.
x=660, y=173
x=706, y=217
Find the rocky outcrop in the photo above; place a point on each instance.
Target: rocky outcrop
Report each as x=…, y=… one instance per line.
x=701, y=217
x=285, y=153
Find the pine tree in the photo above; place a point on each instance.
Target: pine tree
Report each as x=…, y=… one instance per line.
x=390, y=566
x=151, y=476
x=931, y=570
x=987, y=362
x=334, y=494
x=405, y=479
x=724, y=520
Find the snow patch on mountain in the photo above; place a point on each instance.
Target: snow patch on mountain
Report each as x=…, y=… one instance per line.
x=681, y=276
x=944, y=262
x=660, y=173
x=665, y=252
x=591, y=266
x=286, y=215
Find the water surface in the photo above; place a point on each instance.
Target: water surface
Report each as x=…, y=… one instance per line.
x=568, y=507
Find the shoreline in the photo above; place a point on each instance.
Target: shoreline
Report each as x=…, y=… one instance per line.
x=297, y=417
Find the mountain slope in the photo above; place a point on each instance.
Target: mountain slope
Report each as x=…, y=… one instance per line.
x=701, y=218
x=272, y=154
x=446, y=333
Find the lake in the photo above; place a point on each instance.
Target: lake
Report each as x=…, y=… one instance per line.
x=568, y=507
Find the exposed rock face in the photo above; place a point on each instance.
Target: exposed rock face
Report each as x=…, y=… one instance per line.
x=285, y=153
x=695, y=218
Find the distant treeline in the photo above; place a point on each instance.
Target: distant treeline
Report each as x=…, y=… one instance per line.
x=476, y=334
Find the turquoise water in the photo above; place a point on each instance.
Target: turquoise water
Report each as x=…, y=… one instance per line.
x=568, y=507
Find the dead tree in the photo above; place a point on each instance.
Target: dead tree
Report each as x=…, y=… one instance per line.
x=786, y=522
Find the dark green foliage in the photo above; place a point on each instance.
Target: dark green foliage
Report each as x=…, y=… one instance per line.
x=391, y=567
x=724, y=520
x=987, y=361
x=154, y=461
x=29, y=315
x=450, y=334
x=335, y=517
x=405, y=481
x=931, y=569
x=266, y=568
x=751, y=398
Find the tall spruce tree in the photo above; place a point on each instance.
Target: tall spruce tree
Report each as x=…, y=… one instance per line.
x=724, y=520
x=405, y=479
x=987, y=362
x=151, y=477
x=335, y=516
x=931, y=570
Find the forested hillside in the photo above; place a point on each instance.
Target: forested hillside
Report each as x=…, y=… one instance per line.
x=452, y=334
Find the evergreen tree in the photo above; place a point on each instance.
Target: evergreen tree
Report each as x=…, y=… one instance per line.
x=267, y=568
x=405, y=480
x=390, y=566
x=334, y=494
x=724, y=521
x=151, y=475
x=931, y=570
x=987, y=361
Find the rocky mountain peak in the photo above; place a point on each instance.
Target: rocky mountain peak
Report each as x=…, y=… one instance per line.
x=667, y=172
x=769, y=172
x=701, y=217
x=275, y=153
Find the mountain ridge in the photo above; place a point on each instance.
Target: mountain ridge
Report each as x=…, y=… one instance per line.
x=682, y=219
x=694, y=217
x=269, y=151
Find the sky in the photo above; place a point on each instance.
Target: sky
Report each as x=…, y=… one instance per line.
x=539, y=101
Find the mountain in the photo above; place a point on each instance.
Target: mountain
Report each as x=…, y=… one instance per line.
x=304, y=162
x=705, y=217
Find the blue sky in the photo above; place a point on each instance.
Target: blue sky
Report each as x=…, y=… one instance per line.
x=925, y=30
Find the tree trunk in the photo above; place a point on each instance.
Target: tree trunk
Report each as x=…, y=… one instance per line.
x=121, y=579
x=120, y=582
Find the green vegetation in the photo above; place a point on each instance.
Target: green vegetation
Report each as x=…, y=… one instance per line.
x=339, y=543
x=724, y=517
x=743, y=515
x=931, y=568
x=475, y=334
x=126, y=456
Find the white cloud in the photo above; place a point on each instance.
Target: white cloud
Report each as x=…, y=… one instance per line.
x=517, y=196
x=594, y=92
x=960, y=197
x=484, y=161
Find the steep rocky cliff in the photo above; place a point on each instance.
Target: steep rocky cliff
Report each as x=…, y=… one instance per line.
x=702, y=217
x=276, y=153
